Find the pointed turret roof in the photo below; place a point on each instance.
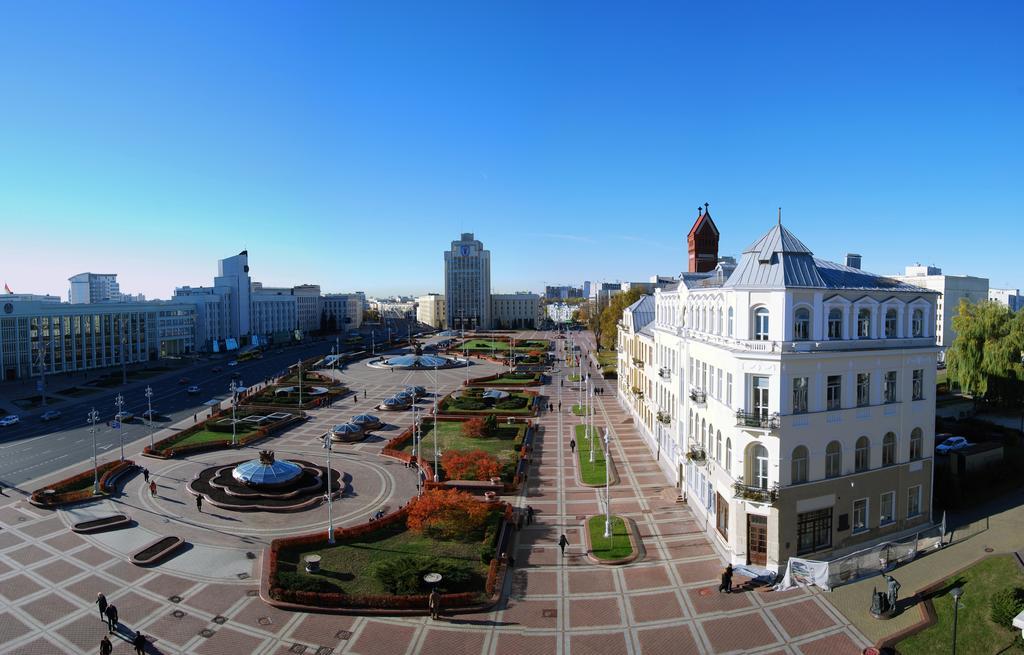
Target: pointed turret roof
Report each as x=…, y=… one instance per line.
x=703, y=219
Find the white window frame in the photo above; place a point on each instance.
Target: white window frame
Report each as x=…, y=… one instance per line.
x=798, y=406
x=805, y=333
x=863, y=389
x=915, y=493
x=892, y=508
x=894, y=387
x=866, y=519
x=760, y=315
x=838, y=396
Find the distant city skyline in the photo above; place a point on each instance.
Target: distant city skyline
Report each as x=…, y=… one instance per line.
x=347, y=146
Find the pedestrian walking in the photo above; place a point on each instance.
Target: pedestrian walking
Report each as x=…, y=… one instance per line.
x=195, y=418
x=111, y=613
x=2, y=489
x=434, y=603
x=364, y=394
x=726, y=585
x=101, y=602
x=140, y=643
x=145, y=475
x=152, y=488
x=199, y=503
x=529, y=515
x=106, y=648
x=562, y=543
x=355, y=399
x=572, y=445
x=559, y=405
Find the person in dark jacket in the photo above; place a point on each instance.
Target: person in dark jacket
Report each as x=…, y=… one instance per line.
x=139, y=642
x=101, y=602
x=562, y=543
x=726, y=585
x=106, y=648
x=111, y=613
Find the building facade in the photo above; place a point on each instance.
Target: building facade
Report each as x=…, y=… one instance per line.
x=430, y=310
x=344, y=311
x=275, y=314
x=62, y=337
x=467, y=284
x=796, y=399
x=953, y=289
x=93, y=287
x=1010, y=298
x=521, y=310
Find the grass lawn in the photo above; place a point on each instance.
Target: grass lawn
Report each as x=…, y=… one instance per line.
x=349, y=566
x=617, y=546
x=447, y=407
x=573, y=378
x=579, y=410
x=591, y=473
x=208, y=436
x=507, y=380
x=451, y=437
x=503, y=346
x=607, y=357
x=975, y=631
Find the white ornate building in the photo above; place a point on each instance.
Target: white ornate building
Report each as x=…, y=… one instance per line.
x=793, y=400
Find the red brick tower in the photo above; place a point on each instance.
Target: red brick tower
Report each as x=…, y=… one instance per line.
x=702, y=242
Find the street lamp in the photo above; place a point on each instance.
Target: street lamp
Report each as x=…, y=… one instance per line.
x=434, y=428
x=233, y=388
x=92, y=418
x=607, y=490
x=119, y=401
x=957, y=592
x=149, y=402
x=300, y=382
x=329, y=446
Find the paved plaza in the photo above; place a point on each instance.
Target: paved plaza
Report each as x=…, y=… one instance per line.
x=205, y=601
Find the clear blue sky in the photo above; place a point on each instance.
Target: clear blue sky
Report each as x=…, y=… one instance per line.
x=348, y=146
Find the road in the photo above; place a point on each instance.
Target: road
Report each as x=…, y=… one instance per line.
x=32, y=448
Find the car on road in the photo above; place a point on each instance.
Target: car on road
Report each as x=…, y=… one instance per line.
x=235, y=375
x=193, y=388
x=216, y=369
x=10, y=419
x=124, y=417
x=951, y=444
x=49, y=415
x=233, y=362
x=183, y=380
x=150, y=414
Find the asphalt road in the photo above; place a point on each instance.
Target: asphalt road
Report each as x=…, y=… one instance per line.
x=33, y=448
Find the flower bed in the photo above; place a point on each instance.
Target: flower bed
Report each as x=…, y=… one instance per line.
x=79, y=487
x=210, y=436
x=507, y=379
x=285, y=585
x=470, y=402
x=269, y=398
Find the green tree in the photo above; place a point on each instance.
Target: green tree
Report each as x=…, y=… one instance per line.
x=986, y=356
x=610, y=316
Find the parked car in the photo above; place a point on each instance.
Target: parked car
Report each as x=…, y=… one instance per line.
x=216, y=369
x=183, y=380
x=150, y=414
x=193, y=388
x=49, y=415
x=233, y=362
x=951, y=444
x=10, y=419
x=124, y=417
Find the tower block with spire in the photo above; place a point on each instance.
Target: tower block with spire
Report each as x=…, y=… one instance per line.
x=702, y=242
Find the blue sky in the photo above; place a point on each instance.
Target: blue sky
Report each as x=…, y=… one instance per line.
x=349, y=145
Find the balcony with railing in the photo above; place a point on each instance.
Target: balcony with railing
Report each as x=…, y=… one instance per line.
x=637, y=362
x=698, y=396
x=697, y=455
x=665, y=373
x=664, y=417
x=759, y=420
x=756, y=493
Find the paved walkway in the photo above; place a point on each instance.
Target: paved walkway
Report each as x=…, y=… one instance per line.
x=665, y=602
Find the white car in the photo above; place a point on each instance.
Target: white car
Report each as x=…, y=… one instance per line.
x=50, y=415
x=10, y=419
x=951, y=444
x=233, y=362
x=193, y=389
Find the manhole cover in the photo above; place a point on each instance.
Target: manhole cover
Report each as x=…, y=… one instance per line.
x=989, y=549
x=344, y=635
x=206, y=633
x=264, y=620
x=243, y=576
x=177, y=614
x=324, y=650
x=219, y=620
x=250, y=555
x=175, y=599
x=549, y=614
x=21, y=519
x=252, y=593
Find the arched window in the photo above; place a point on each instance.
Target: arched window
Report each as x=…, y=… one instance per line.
x=802, y=324
x=728, y=454
x=799, y=473
x=888, y=449
x=916, y=443
x=729, y=327
x=835, y=324
x=693, y=427
x=864, y=323
x=862, y=456
x=917, y=323
x=704, y=435
x=761, y=324
x=890, y=323
x=711, y=439
x=718, y=446
x=833, y=460
x=718, y=321
x=758, y=463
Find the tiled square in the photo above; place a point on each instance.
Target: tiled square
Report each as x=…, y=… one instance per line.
x=8, y=539
x=646, y=577
x=526, y=644
x=448, y=642
x=320, y=628
x=227, y=641
x=88, y=587
x=133, y=607
x=165, y=586
x=706, y=600
x=29, y=554
x=595, y=612
x=216, y=598
x=838, y=643
x=42, y=528
x=11, y=628
x=379, y=638
x=705, y=570
x=670, y=639
x=58, y=570
x=18, y=586
x=590, y=582
x=530, y=613
x=85, y=632
x=257, y=614
x=533, y=582
x=655, y=607
x=176, y=631
x=802, y=618
x=602, y=644
x=738, y=632
x=49, y=608
x=125, y=570
x=64, y=542
x=93, y=556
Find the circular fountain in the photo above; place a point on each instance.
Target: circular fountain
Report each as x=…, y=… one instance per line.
x=266, y=484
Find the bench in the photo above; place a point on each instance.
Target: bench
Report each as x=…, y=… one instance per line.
x=157, y=551
x=112, y=522
x=109, y=482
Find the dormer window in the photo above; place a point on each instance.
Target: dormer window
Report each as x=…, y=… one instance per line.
x=890, y=323
x=835, y=324
x=864, y=324
x=802, y=324
x=761, y=324
x=917, y=323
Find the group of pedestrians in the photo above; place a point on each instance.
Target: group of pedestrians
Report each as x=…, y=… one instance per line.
x=108, y=613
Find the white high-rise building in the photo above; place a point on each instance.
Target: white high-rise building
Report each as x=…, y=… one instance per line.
x=953, y=289
x=791, y=398
x=467, y=284
x=233, y=276
x=515, y=310
x=430, y=310
x=1008, y=298
x=344, y=310
x=93, y=287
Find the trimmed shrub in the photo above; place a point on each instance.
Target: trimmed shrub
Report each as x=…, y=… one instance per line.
x=512, y=402
x=404, y=575
x=301, y=582
x=1006, y=604
x=446, y=514
x=468, y=404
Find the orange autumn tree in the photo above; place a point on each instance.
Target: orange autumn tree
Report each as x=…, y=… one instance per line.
x=475, y=428
x=470, y=465
x=446, y=514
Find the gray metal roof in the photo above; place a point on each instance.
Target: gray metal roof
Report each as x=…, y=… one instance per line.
x=642, y=311
x=778, y=260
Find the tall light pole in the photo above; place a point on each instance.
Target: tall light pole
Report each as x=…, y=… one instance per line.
x=957, y=592
x=42, y=370
x=92, y=418
x=373, y=343
x=434, y=428
x=149, y=403
x=300, y=382
x=233, y=388
x=589, y=423
x=329, y=446
x=607, y=490
x=124, y=360
x=119, y=401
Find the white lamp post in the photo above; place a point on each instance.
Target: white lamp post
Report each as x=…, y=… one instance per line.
x=119, y=401
x=92, y=418
x=300, y=382
x=233, y=388
x=607, y=491
x=329, y=446
x=434, y=428
x=588, y=423
x=149, y=403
